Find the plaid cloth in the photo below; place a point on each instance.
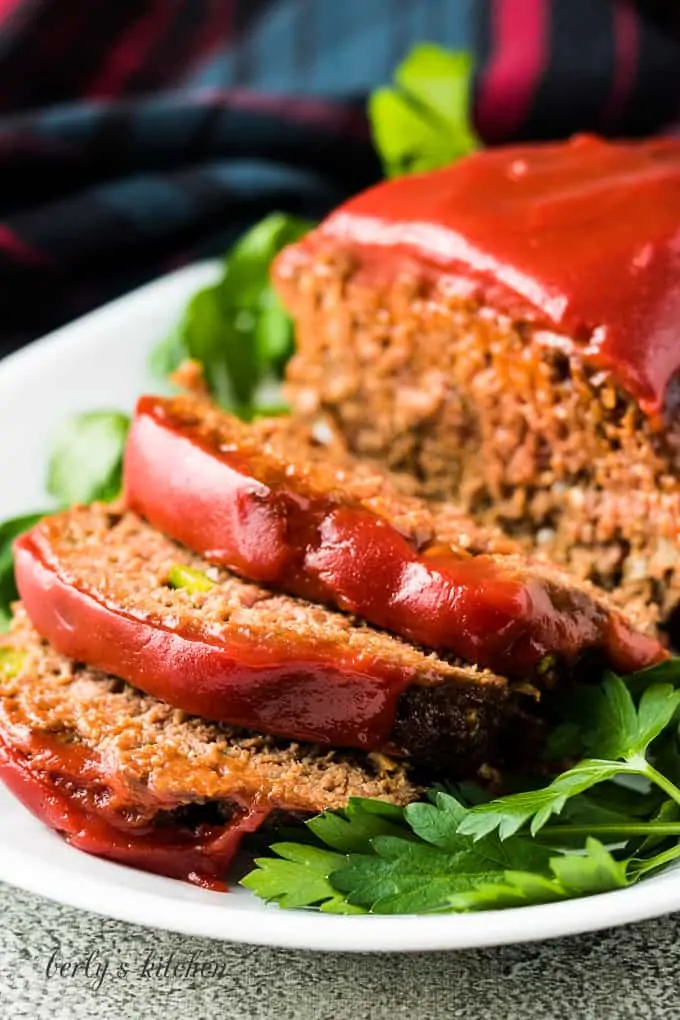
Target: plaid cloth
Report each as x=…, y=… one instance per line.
x=136, y=135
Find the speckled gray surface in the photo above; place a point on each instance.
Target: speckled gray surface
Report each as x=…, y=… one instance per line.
x=614, y=975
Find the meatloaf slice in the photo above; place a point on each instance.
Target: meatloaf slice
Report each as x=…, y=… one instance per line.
x=124, y=776
x=506, y=329
x=107, y=589
x=257, y=501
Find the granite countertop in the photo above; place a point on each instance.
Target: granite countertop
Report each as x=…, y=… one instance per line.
x=623, y=973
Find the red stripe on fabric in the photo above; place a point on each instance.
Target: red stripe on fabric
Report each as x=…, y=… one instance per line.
x=18, y=249
x=128, y=55
x=8, y=7
x=626, y=47
x=520, y=30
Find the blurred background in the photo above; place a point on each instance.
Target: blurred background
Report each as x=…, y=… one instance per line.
x=138, y=135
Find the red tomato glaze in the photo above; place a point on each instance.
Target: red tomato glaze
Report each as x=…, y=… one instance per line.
x=586, y=233
x=246, y=513
x=61, y=784
x=297, y=690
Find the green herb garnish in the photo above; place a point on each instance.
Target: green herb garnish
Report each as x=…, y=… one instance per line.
x=85, y=465
x=614, y=817
x=190, y=579
x=87, y=456
x=424, y=121
x=9, y=530
x=237, y=329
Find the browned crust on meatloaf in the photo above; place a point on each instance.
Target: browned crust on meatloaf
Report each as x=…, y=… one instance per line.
x=453, y=714
x=280, y=452
x=491, y=411
x=317, y=464
x=153, y=754
x=124, y=562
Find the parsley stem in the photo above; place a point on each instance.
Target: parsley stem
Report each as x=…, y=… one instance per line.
x=625, y=829
x=663, y=781
x=642, y=867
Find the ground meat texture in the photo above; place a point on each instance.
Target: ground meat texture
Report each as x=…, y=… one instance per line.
x=343, y=535
x=311, y=463
x=123, y=775
x=96, y=584
x=487, y=408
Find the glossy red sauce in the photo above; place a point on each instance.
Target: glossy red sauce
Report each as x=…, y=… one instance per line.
x=296, y=688
x=585, y=233
x=67, y=788
x=248, y=513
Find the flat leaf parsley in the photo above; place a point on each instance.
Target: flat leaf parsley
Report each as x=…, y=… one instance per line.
x=237, y=330
x=423, y=122
x=600, y=825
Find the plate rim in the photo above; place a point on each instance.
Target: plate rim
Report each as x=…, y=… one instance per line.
x=319, y=932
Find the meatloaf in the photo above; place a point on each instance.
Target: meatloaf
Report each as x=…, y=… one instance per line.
x=124, y=776
x=508, y=330
x=258, y=501
x=107, y=589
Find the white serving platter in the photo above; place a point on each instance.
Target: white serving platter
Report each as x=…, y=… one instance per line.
x=99, y=362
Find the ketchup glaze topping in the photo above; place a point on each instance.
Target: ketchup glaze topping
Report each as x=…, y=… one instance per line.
x=585, y=233
x=256, y=515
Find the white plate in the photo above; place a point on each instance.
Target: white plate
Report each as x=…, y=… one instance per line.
x=99, y=362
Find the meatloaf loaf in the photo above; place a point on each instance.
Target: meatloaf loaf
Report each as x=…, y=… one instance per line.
x=260, y=502
x=124, y=776
x=508, y=330
x=107, y=589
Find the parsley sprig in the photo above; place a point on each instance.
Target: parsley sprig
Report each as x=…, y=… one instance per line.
x=603, y=824
x=9, y=530
x=423, y=121
x=237, y=330
x=85, y=464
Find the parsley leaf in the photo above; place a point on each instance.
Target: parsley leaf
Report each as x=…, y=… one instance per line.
x=594, y=871
x=87, y=457
x=514, y=889
x=424, y=121
x=657, y=707
x=297, y=878
x=352, y=829
x=614, y=725
x=9, y=530
x=667, y=671
x=398, y=874
x=508, y=814
x=620, y=732
x=85, y=464
x=404, y=877
x=237, y=329
x=619, y=820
